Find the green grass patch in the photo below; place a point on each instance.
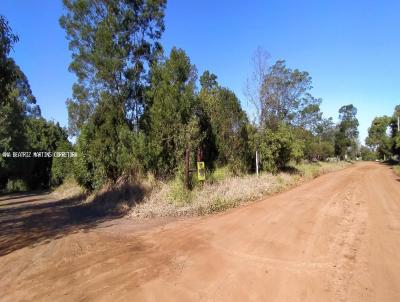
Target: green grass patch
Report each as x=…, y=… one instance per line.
x=309, y=170
x=219, y=174
x=178, y=193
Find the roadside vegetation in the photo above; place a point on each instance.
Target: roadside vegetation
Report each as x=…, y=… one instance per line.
x=396, y=169
x=148, y=197
x=138, y=114
x=69, y=189
x=225, y=191
x=383, y=141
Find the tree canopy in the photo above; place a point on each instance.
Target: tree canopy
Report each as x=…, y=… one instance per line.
x=347, y=133
x=174, y=124
x=134, y=108
x=112, y=43
x=228, y=123
x=21, y=126
x=378, y=138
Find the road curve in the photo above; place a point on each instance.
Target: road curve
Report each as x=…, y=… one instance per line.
x=335, y=238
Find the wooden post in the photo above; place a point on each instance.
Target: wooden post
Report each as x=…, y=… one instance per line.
x=200, y=154
x=257, y=163
x=187, y=159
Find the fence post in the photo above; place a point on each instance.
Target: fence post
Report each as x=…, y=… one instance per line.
x=257, y=163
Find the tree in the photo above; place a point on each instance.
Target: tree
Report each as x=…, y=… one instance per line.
x=309, y=115
x=378, y=139
x=325, y=130
x=276, y=147
x=112, y=42
x=319, y=142
x=288, y=115
x=279, y=93
x=395, y=134
x=17, y=104
x=11, y=111
x=14, y=85
x=12, y=138
x=318, y=150
x=106, y=147
x=367, y=153
x=41, y=135
x=228, y=123
x=347, y=132
x=208, y=81
x=254, y=84
x=7, y=41
x=62, y=167
x=172, y=120
x=285, y=97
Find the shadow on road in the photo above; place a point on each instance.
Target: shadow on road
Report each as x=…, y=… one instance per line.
x=31, y=219
x=390, y=162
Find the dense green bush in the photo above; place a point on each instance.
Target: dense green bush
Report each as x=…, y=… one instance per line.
x=97, y=148
x=319, y=150
x=107, y=148
x=42, y=136
x=172, y=122
x=227, y=123
x=83, y=164
x=368, y=154
x=277, y=148
x=62, y=167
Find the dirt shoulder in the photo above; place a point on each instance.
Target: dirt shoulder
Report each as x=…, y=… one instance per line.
x=334, y=238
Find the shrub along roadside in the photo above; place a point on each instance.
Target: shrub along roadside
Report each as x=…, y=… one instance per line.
x=69, y=189
x=220, y=194
x=396, y=169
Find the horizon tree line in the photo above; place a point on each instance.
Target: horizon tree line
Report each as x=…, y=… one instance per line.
x=136, y=110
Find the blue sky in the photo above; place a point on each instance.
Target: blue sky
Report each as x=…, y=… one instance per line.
x=350, y=48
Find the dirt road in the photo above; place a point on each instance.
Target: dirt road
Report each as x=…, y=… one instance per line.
x=336, y=238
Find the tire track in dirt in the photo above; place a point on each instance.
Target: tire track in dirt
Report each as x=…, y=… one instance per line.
x=349, y=235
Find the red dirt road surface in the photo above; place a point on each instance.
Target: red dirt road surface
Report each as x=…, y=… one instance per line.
x=335, y=238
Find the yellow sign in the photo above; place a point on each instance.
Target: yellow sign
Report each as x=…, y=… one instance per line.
x=201, y=170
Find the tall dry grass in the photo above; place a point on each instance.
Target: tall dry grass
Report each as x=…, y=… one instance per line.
x=169, y=199
x=68, y=189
